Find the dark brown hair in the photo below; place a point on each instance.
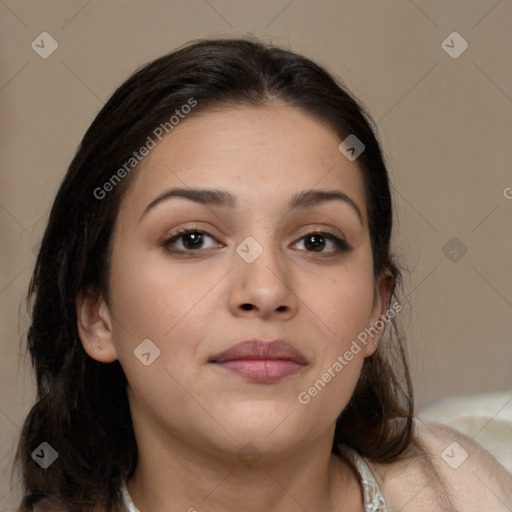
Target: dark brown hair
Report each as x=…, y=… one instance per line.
x=81, y=408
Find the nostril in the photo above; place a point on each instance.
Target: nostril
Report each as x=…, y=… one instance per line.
x=247, y=307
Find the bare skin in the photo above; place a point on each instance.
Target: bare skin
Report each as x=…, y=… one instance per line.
x=191, y=417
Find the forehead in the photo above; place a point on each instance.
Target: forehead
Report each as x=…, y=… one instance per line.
x=262, y=155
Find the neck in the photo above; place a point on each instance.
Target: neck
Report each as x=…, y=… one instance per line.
x=173, y=475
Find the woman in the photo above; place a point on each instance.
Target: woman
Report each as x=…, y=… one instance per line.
x=210, y=307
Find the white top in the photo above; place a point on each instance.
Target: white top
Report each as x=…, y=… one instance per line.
x=373, y=498
x=128, y=499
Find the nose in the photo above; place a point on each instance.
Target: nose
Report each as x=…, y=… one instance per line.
x=262, y=281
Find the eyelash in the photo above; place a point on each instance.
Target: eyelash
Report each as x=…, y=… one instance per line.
x=341, y=245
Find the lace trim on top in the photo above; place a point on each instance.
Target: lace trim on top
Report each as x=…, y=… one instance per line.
x=373, y=498
x=127, y=499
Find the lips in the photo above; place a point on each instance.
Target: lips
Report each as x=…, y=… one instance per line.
x=261, y=361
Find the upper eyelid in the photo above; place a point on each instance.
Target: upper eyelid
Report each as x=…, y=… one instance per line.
x=206, y=226
x=206, y=230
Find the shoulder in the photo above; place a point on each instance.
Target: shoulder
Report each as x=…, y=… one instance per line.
x=477, y=481
x=472, y=477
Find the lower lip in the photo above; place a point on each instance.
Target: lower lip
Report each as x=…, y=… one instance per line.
x=262, y=370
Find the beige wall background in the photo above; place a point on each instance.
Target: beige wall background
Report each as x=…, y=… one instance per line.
x=444, y=122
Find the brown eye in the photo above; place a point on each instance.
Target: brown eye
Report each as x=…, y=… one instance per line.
x=317, y=240
x=192, y=240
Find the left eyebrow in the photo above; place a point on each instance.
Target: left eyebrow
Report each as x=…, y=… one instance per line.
x=214, y=197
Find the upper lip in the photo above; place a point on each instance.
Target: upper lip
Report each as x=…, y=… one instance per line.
x=258, y=349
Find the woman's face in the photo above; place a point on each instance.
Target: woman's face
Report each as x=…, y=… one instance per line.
x=255, y=273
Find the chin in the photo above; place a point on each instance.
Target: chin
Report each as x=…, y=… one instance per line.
x=270, y=432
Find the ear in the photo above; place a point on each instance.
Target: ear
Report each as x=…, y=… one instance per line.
x=95, y=326
x=378, y=317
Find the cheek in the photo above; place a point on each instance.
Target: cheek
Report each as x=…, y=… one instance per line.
x=171, y=305
x=149, y=294
x=343, y=302
x=345, y=311
x=329, y=390
x=152, y=301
